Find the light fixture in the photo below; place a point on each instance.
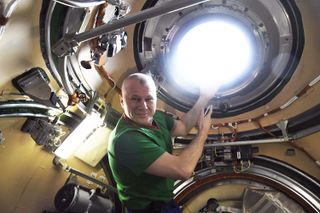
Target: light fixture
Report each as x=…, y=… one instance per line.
x=78, y=135
x=217, y=52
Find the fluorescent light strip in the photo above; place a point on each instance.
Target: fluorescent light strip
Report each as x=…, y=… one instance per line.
x=78, y=135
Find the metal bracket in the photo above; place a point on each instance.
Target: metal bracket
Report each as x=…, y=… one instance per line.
x=283, y=126
x=66, y=46
x=1, y=138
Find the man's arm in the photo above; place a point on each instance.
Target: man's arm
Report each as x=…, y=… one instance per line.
x=182, y=166
x=182, y=127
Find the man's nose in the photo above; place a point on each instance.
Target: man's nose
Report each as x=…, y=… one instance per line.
x=143, y=103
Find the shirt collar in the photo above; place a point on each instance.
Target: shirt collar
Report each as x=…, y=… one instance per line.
x=152, y=126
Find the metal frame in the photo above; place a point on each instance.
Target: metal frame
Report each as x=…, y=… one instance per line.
x=268, y=175
x=68, y=43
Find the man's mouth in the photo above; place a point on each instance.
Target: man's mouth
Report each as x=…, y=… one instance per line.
x=142, y=114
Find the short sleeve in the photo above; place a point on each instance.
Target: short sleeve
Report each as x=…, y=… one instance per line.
x=136, y=151
x=166, y=120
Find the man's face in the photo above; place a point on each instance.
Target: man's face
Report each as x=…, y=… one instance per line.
x=139, y=101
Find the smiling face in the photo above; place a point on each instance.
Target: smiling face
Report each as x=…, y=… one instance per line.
x=138, y=98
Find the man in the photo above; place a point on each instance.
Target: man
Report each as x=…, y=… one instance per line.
x=140, y=146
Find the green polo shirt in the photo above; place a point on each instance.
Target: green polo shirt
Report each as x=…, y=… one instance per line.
x=132, y=149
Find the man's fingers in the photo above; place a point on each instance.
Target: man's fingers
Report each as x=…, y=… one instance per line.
x=208, y=110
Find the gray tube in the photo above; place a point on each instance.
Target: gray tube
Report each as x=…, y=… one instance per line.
x=76, y=172
x=238, y=143
x=81, y=3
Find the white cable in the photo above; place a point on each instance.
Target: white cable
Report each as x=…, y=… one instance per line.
x=289, y=102
x=314, y=81
x=294, y=98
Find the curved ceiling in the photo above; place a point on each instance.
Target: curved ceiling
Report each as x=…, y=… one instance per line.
x=281, y=84
x=296, y=99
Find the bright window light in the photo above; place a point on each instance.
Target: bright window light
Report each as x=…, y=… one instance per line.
x=78, y=135
x=214, y=52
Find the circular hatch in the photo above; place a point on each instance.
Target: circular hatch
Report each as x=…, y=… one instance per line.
x=248, y=50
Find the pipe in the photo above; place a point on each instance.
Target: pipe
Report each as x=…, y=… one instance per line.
x=53, y=69
x=76, y=172
x=81, y=3
x=37, y=115
x=237, y=143
x=27, y=109
x=25, y=105
x=62, y=164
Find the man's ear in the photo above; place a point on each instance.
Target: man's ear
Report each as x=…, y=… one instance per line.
x=121, y=100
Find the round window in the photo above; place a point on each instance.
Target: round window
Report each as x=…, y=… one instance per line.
x=249, y=48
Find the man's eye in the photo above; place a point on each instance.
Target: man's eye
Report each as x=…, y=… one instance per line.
x=135, y=99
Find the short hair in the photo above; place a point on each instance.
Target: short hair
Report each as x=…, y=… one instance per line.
x=144, y=79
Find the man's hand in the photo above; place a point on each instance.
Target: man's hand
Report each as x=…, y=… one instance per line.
x=204, y=122
x=208, y=90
